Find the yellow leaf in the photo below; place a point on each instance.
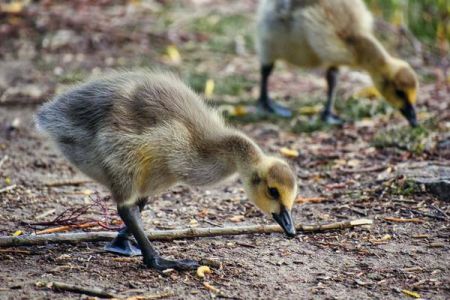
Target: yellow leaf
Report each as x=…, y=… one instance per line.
x=240, y=110
x=209, y=88
x=411, y=294
x=13, y=7
x=173, y=54
x=368, y=92
x=8, y=180
x=289, y=153
x=17, y=233
x=310, y=110
x=202, y=270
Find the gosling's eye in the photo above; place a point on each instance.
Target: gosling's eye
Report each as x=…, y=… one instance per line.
x=401, y=94
x=273, y=192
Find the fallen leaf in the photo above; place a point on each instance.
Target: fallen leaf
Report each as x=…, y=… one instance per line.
x=411, y=293
x=17, y=233
x=173, y=54
x=289, y=153
x=240, y=110
x=209, y=88
x=301, y=199
x=202, y=270
x=310, y=110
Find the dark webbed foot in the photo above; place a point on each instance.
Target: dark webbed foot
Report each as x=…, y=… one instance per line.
x=123, y=246
x=161, y=264
x=331, y=118
x=272, y=107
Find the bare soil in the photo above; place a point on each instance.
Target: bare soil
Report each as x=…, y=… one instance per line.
x=339, y=164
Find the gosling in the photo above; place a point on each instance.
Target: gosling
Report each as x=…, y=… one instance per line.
x=330, y=33
x=139, y=133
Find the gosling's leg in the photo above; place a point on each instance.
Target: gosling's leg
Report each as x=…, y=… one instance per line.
x=123, y=244
x=265, y=102
x=131, y=217
x=327, y=115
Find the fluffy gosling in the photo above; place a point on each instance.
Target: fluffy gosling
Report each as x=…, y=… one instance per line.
x=330, y=33
x=139, y=133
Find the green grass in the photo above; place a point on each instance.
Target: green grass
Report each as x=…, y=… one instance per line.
x=357, y=109
x=404, y=138
x=221, y=31
x=405, y=188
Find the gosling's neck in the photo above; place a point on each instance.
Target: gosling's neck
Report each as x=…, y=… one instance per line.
x=370, y=54
x=240, y=151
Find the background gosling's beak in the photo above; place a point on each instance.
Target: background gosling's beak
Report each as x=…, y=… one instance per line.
x=410, y=114
x=284, y=218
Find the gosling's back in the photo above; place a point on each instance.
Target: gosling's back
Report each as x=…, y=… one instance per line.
x=310, y=32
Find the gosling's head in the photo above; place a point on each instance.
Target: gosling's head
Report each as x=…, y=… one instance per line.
x=271, y=186
x=398, y=84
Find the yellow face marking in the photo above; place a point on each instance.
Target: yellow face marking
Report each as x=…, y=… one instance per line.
x=412, y=95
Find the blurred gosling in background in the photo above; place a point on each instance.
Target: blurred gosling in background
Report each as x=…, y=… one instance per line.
x=330, y=33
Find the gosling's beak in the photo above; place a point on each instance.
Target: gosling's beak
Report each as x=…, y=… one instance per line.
x=410, y=114
x=284, y=218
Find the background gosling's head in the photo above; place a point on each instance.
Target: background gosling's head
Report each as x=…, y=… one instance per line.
x=399, y=85
x=271, y=186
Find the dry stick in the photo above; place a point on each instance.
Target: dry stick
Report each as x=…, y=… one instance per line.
x=301, y=199
x=363, y=170
x=68, y=227
x=2, y=161
x=167, y=235
x=67, y=182
x=100, y=292
x=8, y=188
x=91, y=291
x=401, y=220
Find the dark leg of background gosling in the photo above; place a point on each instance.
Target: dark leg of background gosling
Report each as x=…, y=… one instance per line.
x=264, y=95
x=331, y=77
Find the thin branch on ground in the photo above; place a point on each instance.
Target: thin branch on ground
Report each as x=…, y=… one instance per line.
x=67, y=182
x=167, y=235
x=8, y=188
x=91, y=291
x=71, y=218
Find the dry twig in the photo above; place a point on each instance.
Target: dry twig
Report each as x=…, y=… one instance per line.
x=68, y=228
x=91, y=291
x=67, y=182
x=167, y=235
x=8, y=188
x=401, y=220
x=301, y=199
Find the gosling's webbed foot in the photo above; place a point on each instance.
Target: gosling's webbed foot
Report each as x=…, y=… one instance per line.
x=123, y=246
x=270, y=106
x=331, y=118
x=161, y=264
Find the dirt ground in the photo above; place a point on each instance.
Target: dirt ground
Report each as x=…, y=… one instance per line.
x=344, y=166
